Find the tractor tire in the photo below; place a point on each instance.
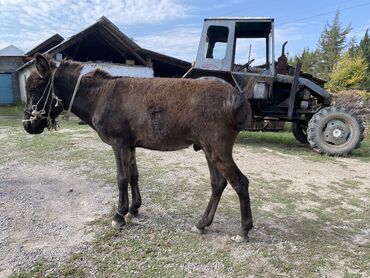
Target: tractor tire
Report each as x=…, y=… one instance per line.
x=335, y=131
x=299, y=130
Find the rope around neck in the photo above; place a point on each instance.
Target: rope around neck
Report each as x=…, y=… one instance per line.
x=73, y=98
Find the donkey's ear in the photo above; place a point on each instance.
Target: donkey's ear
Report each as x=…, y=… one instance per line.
x=42, y=65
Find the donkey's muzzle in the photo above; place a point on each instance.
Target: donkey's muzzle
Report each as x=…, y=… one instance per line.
x=35, y=127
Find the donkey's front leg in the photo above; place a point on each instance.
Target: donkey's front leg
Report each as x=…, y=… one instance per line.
x=122, y=155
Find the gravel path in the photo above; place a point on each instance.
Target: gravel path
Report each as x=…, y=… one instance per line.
x=44, y=211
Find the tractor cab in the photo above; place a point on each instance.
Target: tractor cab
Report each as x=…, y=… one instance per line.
x=232, y=44
x=240, y=51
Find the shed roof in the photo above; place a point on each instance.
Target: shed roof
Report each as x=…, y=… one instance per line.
x=109, y=33
x=46, y=45
x=103, y=41
x=11, y=50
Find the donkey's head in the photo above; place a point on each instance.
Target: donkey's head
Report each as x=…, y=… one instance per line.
x=42, y=105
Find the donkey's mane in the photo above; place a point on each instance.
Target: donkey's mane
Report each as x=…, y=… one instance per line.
x=101, y=74
x=71, y=65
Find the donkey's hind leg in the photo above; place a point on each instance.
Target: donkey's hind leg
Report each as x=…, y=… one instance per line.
x=122, y=155
x=218, y=183
x=240, y=183
x=227, y=167
x=135, y=192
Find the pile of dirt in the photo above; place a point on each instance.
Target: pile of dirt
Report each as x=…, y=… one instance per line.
x=354, y=100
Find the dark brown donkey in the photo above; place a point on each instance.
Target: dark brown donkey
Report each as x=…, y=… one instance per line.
x=153, y=113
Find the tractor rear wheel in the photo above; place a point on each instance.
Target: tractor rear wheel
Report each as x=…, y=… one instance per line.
x=299, y=130
x=335, y=131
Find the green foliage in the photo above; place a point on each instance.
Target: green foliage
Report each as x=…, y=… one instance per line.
x=366, y=84
x=308, y=59
x=365, y=46
x=353, y=49
x=331, y=44
x=349, y=72
x=344, y=65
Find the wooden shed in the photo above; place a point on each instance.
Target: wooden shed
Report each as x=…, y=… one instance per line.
x=103, y=45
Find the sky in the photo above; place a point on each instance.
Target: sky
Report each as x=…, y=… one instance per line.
x=173, y=27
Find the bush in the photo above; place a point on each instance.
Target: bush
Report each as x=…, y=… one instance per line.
x=349, y=72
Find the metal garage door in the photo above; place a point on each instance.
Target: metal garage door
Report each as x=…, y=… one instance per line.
x=6, y=90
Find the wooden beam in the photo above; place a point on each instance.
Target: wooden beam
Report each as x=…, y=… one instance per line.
x=133, y=51
x=101, y=36
x=69, y=42
x=77, y=48
x=167, y=61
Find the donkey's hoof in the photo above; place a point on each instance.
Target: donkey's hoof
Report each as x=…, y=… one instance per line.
x=240, y=239
x=117, y=225
x=197, y=231
x=128, y=217
x=118, y=221
x=133, y=211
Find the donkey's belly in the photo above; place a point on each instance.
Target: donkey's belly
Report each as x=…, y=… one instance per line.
x=166, y=148
x=162, y=143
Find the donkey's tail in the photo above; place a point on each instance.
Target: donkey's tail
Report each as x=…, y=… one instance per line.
x=239, y=107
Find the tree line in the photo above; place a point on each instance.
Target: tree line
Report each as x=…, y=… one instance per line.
x=341, y=61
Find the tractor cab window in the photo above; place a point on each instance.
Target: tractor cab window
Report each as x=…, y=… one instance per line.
x=253, y=47
x=216, y=42
x=252, y=51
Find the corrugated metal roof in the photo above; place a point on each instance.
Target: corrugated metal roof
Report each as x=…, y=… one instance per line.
x=11, y=50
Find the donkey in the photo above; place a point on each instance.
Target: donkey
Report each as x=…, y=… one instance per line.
x=161, y=114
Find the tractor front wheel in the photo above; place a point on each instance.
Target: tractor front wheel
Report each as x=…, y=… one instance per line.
x=335, y=131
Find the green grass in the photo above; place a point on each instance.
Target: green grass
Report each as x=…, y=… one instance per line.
x=285, y=142
x=12, y=111
x=158, y=243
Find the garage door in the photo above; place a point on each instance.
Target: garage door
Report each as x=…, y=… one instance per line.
x=6, y=90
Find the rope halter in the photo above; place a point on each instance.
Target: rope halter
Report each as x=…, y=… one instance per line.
x=50, y=91
x=40, y=114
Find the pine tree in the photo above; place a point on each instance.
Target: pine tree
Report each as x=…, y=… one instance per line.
x=365, y=50
x=331, y=44
x=308, y=59
x=353, y=47
x=365, y=46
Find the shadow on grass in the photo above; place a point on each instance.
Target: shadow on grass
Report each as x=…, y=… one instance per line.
x=273, y=140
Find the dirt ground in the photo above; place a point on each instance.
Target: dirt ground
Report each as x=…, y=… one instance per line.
x=44, y=211
x=300, y=205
